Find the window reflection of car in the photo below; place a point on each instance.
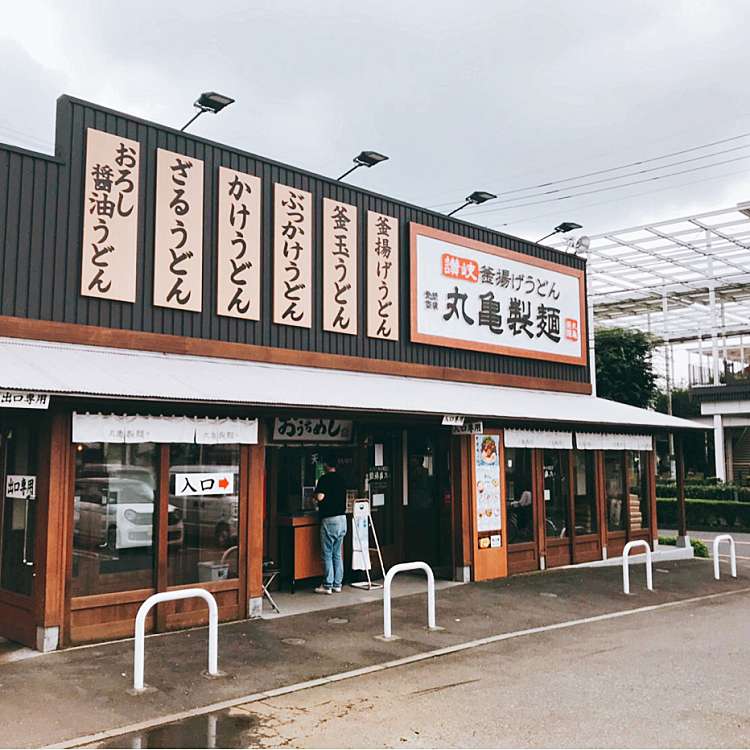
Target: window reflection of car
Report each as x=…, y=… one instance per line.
x=118, y=513
x=119, y=471
x=209, y=519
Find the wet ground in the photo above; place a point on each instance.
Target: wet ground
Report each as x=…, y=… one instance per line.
x=80, y=696
x=643, y=680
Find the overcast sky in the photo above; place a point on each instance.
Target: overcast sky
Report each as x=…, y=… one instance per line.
x=461, y=95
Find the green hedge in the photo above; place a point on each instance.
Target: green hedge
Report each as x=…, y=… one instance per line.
x=705, y=515
x=730, y=492
x=699, y=549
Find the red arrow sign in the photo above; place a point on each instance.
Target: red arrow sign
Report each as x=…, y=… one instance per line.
x=224, y=483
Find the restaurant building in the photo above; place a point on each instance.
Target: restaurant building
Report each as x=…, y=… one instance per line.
x=184, y=327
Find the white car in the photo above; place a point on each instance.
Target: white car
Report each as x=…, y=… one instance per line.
x=118, y=513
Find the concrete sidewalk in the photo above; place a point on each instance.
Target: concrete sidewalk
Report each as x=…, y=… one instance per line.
x=64, y=695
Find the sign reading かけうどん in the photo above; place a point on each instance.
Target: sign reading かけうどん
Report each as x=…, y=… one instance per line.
x=472, y=295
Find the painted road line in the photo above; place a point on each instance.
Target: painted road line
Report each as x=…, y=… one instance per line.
x=403, y=661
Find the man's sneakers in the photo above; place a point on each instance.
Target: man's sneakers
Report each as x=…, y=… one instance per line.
x=325, y=590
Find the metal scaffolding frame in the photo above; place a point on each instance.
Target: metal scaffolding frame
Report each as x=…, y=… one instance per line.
x=684, y=280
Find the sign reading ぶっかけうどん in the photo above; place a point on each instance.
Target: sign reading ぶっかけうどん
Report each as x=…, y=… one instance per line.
x=471, y=295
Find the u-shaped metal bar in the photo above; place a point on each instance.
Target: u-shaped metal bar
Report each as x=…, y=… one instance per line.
x=168, y=596
x=400, y=568
x=626, y=565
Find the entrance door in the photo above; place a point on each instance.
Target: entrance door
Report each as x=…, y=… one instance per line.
x=428, y=514
x=18, y=515
x=557, y=510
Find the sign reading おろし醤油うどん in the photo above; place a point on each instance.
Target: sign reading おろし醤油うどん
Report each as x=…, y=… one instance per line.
x=472, y=295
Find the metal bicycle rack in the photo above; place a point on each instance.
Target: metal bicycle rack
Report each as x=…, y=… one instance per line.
x=626, y=564
x=732, y=554
x=140, y=631
x=400, y=568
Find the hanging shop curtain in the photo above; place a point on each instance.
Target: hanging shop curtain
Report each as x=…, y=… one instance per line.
x=537, y=439
x=135, y=428
x=613, y=441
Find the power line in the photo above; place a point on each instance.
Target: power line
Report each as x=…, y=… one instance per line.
x=606, y=189
x=614, y=169
x=640, y=194
x=626, y=174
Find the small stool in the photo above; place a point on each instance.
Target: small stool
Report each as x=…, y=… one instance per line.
x=270, y=572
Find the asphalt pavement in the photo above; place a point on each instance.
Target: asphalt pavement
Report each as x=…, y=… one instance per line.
x=80, y=696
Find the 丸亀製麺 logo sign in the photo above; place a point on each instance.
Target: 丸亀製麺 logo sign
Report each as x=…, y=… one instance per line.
x=470, y=295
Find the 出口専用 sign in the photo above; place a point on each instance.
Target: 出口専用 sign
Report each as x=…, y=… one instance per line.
x=471, y=295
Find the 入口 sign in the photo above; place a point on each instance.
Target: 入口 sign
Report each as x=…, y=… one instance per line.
x=205, y=483
x=471, y=295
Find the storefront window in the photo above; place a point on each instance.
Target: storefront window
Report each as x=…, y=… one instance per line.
x=614, y=488
x=116, y=494
x=203, y=513
x=518, y=495
x=556, y=493
x=299, y=470
x=18, y=473
x=584, y=483
x=638, y=494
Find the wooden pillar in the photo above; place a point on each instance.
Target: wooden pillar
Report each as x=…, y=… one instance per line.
x=54, y=538
x=601, y=501
x=256, y=488
x=461, y=490
x=540, y=511
x=681, y=514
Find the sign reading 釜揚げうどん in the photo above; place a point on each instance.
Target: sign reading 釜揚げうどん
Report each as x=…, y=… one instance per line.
x=472, y=295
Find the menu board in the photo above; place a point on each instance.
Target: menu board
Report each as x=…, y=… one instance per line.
x=487, y=478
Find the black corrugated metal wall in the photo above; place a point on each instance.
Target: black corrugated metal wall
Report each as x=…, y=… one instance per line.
x=41, y=204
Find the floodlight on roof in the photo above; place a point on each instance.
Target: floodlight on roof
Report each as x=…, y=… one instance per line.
x=476, y=199
x=365, y=159
x=208, y=101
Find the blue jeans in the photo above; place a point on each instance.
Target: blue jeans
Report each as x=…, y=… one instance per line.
x=332, y=533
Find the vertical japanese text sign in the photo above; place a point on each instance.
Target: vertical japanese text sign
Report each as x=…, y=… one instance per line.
x=238, y=270
x=178, y=239
x=292, y=257
x=110, y=217
x=339, y=267
x=382, y=276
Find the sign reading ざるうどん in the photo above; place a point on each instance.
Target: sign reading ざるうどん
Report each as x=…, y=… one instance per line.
x=472, y=295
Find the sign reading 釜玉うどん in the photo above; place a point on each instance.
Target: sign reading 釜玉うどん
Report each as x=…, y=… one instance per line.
x=471, y=295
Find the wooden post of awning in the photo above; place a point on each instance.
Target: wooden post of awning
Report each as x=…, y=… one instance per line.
x=681, y=515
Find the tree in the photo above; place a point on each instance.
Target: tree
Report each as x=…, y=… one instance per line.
x=624, y=367
x=697, y=446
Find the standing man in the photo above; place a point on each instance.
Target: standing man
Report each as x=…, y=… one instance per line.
x=330, y=492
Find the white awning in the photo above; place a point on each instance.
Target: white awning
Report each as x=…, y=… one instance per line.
x=537, y=439
x=136, y=428
x=613, y=441
x=70, y=369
